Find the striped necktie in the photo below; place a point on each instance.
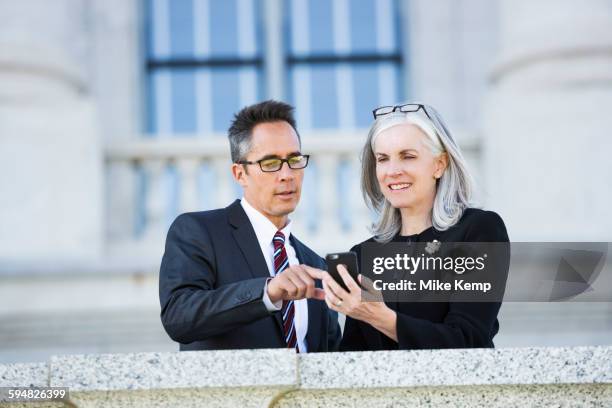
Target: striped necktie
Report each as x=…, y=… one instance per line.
x=281, y=262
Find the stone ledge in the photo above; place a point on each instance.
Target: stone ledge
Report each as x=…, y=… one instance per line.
x=192, y=369
x=24, y=375
x=280, y=367
x=381, y=369
x=278, y=377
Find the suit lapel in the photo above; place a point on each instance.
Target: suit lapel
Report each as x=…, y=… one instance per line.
x=315, y=307
x=245, y=237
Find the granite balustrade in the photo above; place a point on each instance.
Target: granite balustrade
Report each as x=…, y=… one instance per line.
x=573, y=376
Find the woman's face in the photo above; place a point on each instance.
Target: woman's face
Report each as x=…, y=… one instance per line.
x=406, y=168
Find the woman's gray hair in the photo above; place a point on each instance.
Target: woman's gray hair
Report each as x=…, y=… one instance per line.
x=454, y=188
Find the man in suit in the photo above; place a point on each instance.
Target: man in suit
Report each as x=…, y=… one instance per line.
x=236, y=277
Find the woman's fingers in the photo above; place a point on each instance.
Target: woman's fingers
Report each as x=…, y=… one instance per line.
x=366, y=283
x=335, y=287
x=348, y=279
x=326, y=283
x=370, y=293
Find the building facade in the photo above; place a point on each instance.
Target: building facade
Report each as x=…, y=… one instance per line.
x=113, y=116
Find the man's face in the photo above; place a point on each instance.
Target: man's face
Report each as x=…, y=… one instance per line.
x=274, y=194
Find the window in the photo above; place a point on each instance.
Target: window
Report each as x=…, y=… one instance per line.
x=345, y=55
x=203, y=62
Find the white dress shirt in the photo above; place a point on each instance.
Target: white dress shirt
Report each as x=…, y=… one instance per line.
x=265, y=230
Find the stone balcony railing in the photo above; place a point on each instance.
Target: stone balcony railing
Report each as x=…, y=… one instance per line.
x=331, y=215
x=568, y=377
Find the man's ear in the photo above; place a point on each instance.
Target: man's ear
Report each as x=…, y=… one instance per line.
x=239, y=173
x=441, y=165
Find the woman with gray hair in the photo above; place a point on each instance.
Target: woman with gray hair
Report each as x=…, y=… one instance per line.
x=416, y=179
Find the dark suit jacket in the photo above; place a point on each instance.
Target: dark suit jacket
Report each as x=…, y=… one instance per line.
x=211, y=285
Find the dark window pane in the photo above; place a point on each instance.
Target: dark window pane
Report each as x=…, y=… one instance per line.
x=324, y=97
x=363, y=26
x=183, y=101
x=226, y=97
x=181, y=27
x=150, y=120
x=223, y=28
x=321, y=26
x=366, y=87
x=160, y=101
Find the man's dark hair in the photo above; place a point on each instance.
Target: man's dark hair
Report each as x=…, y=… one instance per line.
x=241, y=129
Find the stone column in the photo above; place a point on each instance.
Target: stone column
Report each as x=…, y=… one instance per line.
x=50, y=154
x=117, y=49
x=547, y=117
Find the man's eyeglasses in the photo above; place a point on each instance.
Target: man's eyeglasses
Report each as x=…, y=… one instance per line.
x=273, y=164
x=408, y=107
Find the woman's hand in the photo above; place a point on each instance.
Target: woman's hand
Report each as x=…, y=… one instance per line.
x=374, y=311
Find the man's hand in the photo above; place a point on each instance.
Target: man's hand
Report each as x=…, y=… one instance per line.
x=296, y=282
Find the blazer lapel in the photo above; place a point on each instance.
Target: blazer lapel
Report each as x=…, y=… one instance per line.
x=245, y=237
x=315, y=307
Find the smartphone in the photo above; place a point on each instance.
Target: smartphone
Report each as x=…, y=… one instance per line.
x=349, y=260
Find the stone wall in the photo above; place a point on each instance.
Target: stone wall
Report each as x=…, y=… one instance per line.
x=253, y=378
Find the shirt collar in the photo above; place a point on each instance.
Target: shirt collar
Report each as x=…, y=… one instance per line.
x=264, y=228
